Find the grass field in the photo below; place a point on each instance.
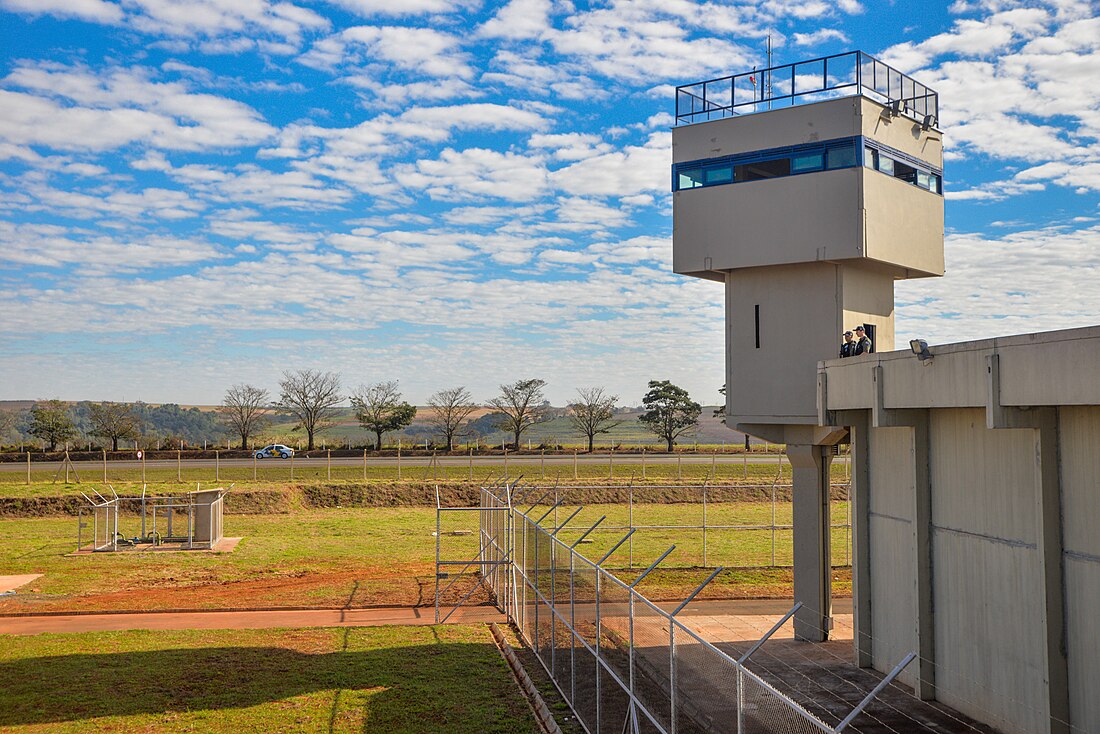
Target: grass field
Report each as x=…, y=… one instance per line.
x=371, y=556
x=383, y=680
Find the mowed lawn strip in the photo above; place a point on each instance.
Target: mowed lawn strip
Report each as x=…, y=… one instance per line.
x=381, y=679
x=356, y=557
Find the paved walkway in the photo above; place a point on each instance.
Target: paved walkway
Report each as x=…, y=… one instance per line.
x=11, y=583
x=32, y=625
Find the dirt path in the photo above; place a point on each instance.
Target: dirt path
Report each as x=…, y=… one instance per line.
x=36, y=624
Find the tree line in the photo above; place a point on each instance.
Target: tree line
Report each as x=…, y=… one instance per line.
x=313, y=399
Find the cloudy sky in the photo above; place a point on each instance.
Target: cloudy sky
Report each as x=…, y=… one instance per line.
x=203, y=192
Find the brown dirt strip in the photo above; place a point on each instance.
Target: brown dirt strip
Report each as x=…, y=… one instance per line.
x=33, y=625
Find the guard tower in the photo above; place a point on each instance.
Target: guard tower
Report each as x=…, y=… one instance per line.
x=807, y=189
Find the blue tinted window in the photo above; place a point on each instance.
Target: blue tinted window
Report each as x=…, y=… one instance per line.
x=807, y=162
x=719, y=175
x=690, y=179
x=842, y=156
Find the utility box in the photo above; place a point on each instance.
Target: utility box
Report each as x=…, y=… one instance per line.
x=808, y=205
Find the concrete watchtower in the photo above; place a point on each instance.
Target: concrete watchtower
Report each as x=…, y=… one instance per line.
x=807, y=189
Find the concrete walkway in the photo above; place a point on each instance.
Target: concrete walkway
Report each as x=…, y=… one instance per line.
x=11, y=583
x=36, y=624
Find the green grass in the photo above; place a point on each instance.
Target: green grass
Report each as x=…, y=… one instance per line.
x=623, y=468
x=362, y=557
x=384, y=680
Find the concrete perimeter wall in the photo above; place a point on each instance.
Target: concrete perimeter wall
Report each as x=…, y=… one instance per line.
x=1007, y=436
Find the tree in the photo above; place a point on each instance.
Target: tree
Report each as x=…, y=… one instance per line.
x=51, y=422
x=8, y=419
x=245, y=410
x=379, y=408
x=669, y=411
x=113, y=421
x=522, y=406
x=592, y=414
x=450, y=409
x=311, y=397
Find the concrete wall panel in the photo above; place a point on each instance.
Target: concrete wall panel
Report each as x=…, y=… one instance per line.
x=893, y=586
x=904, y=224
x=828, y=120
x=1079, y=431
x=983, y=481
x=1083, y=641
x=989, y=646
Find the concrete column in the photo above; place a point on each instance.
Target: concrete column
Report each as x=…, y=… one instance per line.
x=1048, y=513
x=861, y=540
x=812, y=569
x=922, y=555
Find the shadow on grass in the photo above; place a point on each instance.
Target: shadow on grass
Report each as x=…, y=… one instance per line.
x=444, y=687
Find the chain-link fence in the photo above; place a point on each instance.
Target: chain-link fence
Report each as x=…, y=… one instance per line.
x=623, y=663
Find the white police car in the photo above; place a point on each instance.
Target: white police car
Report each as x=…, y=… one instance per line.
x=275, y=449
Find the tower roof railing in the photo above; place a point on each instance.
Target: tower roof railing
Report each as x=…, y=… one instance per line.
x=852, y=73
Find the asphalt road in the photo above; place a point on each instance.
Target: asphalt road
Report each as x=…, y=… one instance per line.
x=357, y=461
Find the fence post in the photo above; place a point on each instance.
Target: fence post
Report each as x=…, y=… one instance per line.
x=630, y=522
x=143, y=467
x=364, y=465
x=471, y=465
x=292, y=466
x=328, y=464
x=66, y=466
x=679, y=467
x=399, y=458
x=179, y=466
x=704, y=526
x=506, y=464
x=542, y=464
x=643, y=462
x=104, y=466
x=217, y=467
x=254, y=465
x=611, y=464
x=714, y=467
x=773, y=522
x=28, y=467
x=746, y=462
x=574, y=464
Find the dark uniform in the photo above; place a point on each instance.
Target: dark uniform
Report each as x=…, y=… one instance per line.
x=861, y=346
x=847, y=349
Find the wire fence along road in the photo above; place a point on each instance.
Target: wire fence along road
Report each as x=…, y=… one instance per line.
x=450, y=466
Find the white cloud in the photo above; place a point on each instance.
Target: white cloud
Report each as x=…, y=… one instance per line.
x=823, y=35
x=476, y=173
x=519, y=19
x=423, y=50
x=369, y=8
x=97, y=11
x=73, y=108
x=1032, y=280
x=632, y=170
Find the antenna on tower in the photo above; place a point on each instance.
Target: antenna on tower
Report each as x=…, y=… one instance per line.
x=768, y=73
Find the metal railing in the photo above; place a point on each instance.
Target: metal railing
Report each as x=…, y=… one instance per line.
x=848, y=74
x=623, y=663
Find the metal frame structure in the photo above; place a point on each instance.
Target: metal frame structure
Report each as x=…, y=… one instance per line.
x=622, y=663
x=852, y=73
x=106, y=513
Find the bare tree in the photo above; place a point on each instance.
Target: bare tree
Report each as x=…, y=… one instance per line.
x=522, y=406
x=311, y=397
x=113, y=421
x=450, y=409
x=593, y=413
x=245, y=409
x=379, y=408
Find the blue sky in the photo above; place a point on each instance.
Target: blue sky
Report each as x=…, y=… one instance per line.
x=202, y=192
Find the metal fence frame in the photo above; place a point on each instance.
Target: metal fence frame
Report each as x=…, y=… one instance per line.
x=859, y=74
x=535, y=578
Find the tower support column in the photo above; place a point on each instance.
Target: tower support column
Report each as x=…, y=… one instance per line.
x=812, y=568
